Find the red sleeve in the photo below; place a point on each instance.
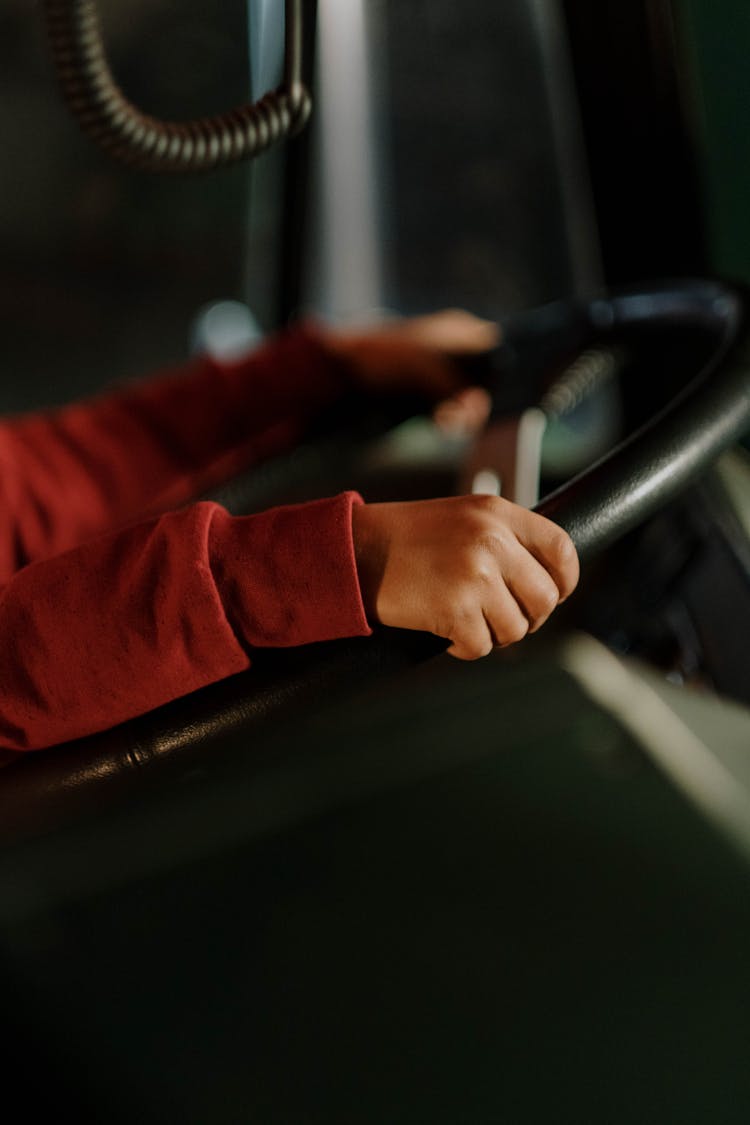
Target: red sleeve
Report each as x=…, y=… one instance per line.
x=71, y=473
x=136, y=618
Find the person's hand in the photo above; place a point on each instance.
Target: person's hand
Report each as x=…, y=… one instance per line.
x=477, y=570
x=421, y=356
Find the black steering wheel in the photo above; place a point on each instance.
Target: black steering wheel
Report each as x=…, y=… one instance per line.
x=693, y=339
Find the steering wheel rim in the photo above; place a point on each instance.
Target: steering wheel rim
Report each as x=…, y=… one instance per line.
x=651, y=466
x=638, y=476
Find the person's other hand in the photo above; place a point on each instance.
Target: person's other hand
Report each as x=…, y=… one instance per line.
x=421, y=355
x=477, y=570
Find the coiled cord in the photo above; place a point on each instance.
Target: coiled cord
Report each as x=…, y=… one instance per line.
x=590, y=370
x=148, y=143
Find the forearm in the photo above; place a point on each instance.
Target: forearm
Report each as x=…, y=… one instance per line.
x=134, y=619
x=72, y=473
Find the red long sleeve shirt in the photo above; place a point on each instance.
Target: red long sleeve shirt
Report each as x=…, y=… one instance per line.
x=118, y=594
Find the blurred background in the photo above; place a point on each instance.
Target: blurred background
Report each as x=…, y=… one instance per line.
x=477, y=894
x=487, y=158
x=455, y=159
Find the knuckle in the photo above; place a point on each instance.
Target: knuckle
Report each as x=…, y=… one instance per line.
x=484, y=502
x=477, y=561
x=563, y=551
x=466, y=651
x=520, y=629
x=470, y=641
x=474, y=645
x=516, y=630
x=545, y=601
x=483, y=507
x=482, y=565
x=485, y=528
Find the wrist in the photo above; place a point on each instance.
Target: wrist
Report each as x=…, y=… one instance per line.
x=369, y=555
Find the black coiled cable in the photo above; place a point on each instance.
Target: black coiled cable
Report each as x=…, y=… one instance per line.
x=168, y=146
x=590, y=371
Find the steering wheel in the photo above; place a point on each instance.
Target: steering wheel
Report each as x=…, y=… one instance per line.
x=693, y=340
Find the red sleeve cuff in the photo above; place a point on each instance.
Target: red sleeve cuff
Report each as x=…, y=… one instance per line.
x=288, y=576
